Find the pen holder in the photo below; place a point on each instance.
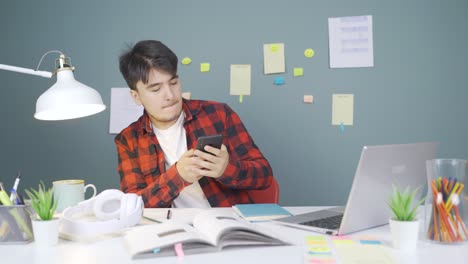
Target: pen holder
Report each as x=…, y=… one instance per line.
x=15, y=224
x=446, y=214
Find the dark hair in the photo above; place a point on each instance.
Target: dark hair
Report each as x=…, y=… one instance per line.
x=136, y=63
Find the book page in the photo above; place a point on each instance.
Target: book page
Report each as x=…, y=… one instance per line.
x=225, y=229
x=144, y=240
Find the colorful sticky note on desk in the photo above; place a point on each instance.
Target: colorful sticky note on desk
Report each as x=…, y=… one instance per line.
x=322, y=260
x=315, y=238
x=370, y=242
x=320, y=250
x=340, y=240
x=357, y=253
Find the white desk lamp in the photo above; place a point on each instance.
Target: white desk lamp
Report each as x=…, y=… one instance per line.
x=67, y=98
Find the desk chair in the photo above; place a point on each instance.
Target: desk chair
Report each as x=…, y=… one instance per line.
x=268, y=195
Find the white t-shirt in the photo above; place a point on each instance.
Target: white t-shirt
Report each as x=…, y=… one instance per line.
x=173, y=142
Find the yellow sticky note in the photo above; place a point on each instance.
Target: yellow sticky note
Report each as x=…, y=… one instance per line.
x=274, y=47
x=342, y=109
x=298, y=72
x=186, y=95
x=309, y=53
x=317, y=242
x=321, y=238
x=186, y=61
x=308, y=99
x=342, y=241
x=273, y=58
x=356, y=253
x=241, y=98
x=204, y=67
x=320, y=249
x=240, y=83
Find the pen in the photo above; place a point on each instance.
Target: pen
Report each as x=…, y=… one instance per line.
x=15, y=187
x=152, y=220
x=168, y=214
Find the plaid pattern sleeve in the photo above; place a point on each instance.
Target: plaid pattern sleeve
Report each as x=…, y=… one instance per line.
x=247, y=168
x=141, y=167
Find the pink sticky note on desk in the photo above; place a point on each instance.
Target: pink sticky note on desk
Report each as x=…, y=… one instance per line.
x=179, y=250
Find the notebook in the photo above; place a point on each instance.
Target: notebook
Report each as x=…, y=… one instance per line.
x=379, y=167
x=260, y=212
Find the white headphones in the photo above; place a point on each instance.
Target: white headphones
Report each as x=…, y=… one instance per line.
x=113, y=209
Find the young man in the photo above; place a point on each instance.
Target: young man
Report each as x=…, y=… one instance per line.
x=157, y=156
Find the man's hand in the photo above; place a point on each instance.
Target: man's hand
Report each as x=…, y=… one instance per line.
x=186, y=166
x=210, y=165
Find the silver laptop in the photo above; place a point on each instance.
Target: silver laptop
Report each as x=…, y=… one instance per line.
x=379, y=167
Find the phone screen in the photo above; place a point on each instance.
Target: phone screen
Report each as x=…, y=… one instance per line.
x=214, y=140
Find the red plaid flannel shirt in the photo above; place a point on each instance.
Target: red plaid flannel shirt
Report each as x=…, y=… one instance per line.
x=141, y=159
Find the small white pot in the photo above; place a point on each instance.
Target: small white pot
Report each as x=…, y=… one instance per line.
x=404, y=234
x=46, y=233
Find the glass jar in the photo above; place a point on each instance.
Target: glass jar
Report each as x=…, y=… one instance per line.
x=445, y=205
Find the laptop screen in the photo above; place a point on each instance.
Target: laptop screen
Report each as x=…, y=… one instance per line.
x=378, y=169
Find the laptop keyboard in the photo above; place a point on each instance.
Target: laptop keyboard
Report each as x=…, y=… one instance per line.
x=332, y=222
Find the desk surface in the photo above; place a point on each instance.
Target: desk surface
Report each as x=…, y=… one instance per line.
x=112, y=250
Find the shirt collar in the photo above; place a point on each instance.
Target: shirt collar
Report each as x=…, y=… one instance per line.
x=190, y=108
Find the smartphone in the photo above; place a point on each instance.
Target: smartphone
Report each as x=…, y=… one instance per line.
x=214, y=140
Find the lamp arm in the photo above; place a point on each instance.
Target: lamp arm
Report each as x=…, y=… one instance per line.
x=45, y=74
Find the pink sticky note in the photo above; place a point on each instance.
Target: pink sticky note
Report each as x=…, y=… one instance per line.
x=178, y=250
x=308, y=99
x=341, y=238
x=322, y=261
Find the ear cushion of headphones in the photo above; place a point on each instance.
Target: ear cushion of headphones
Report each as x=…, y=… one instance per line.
x=108, y=204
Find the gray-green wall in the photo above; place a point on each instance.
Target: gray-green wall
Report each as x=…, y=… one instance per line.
x=417, y=90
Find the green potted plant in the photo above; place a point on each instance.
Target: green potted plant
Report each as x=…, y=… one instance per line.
x=403, y=225
x=45, y=226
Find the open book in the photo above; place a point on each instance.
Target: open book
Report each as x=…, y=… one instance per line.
x=211, y=231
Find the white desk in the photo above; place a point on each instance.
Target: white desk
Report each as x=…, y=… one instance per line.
x=113, y=251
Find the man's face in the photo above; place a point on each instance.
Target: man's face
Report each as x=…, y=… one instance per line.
x=161, y=97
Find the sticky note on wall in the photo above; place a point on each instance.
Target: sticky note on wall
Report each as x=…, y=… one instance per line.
x=308, y=99
x=298, y=72
x=342, y=109
x=240, y=79
x=273, y=58
x=279, y=80
x=309, y=53
x=204, y=67
x=186, y=61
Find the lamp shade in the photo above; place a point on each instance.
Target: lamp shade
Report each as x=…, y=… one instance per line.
x=68, y=99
